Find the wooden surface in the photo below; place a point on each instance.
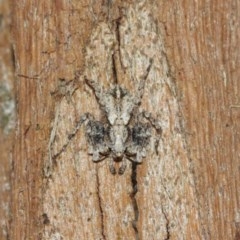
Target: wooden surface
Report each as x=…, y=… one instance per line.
x=204, y=50
x=7, y=116
x=187, y=187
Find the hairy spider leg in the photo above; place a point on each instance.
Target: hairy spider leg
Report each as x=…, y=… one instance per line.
x=148, y=116
x=111, y=165
x=95, y=86
x=123, y=166
x=136, y=159
x=155, y=124
x=101, y=159
x=138, y=156
x=104, y=98
x=141, y=86
x=85, y=117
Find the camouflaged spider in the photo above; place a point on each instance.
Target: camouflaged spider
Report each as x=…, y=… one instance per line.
x=118, y=140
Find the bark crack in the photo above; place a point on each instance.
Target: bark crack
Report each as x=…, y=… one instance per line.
x=100, y=207
x=134, y=201
x=167, y=225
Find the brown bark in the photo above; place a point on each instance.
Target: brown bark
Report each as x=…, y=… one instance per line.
x=7, y=114
x=204, y=49
x=187, y=186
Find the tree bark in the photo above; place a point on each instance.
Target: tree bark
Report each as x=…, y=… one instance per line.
x=7, y=116
x=186, y=188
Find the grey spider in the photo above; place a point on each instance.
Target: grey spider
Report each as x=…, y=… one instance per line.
x=119, y=139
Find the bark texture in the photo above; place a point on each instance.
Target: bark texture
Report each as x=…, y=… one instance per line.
x=7, y=116
x=187, y=186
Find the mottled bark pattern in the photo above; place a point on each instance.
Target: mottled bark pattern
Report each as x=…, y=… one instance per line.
x=186, y=187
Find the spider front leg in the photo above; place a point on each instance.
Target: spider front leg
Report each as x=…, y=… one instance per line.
x=123, y=166
x=101, y=95
x=111, y=165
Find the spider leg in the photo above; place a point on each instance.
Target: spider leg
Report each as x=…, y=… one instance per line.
x=105, y=99
x=84, y=118
x=122, y=169
x=96, y=87
x=101, y=158
x=137, y=159
x=148, y=116
x=111, y=165
x=141, y=85
x=138, y=156
x=130, y=159
x=155, y=123
x=140, y=139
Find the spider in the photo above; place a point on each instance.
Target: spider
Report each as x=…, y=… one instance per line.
x=119, y=139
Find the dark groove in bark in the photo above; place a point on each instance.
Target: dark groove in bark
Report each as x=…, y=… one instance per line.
x=100, y=207
x=134, y=201
x=167, y=225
